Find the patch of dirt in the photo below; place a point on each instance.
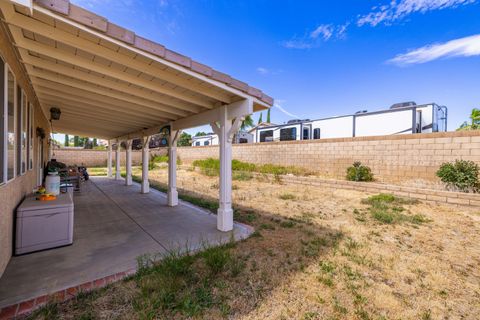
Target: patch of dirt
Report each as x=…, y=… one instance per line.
x=319, y=254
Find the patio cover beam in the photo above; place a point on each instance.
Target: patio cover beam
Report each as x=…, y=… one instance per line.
x=75, y=96
x=57, y=34
x=154, y=97
x=234, y=110
x=142, y=103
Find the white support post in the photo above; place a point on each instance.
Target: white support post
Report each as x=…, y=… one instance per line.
x=145, y=160
x=109, y=159
x=225, y=131
x=117, y=161
x=172, y=193
x=128, y=163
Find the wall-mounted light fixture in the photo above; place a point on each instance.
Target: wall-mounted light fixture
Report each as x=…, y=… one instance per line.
x=55, y=113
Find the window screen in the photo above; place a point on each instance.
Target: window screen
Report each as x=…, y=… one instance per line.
x=288, y=134
x=10, y=125
x=23, y=133
x=266, y=136
x=316, y=133
x=2, y=121
x=31, y=126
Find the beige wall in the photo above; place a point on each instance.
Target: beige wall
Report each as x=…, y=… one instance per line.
x=97, y=158
x=12, y=193
x=406, y=159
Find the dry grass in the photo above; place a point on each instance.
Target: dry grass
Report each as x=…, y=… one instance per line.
x=318, y=254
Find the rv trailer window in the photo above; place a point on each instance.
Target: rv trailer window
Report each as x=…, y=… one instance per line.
x=266, y=136
x=197, y=143
x=306, y=133
x=288, y=134
x=242, y=140
x=206, y=143
x=316, y=133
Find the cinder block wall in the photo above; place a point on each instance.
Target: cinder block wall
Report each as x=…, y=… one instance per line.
x=393, y=159
x=97, y=158
x=402, y=159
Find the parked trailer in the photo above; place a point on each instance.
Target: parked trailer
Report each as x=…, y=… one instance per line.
x=212, y=139
x=405, y=118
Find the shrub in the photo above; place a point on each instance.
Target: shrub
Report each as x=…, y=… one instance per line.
x=460, y=175
x=211, y=167
x=359, y=172
x=387, y=209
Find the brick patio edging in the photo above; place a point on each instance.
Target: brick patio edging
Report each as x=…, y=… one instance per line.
x=433, y=196
x=26, y=307
x=426, y=195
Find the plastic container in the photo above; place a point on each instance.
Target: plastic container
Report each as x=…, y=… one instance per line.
x=52, y=183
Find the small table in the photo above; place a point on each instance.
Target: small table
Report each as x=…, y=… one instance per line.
x=43, y=225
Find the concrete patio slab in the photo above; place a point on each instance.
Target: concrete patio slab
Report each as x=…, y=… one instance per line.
x=114, y=224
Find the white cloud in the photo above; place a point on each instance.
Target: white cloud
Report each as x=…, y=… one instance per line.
x=265, y=71
x=324, y=30
x=397, y=10
x=277, y=105
x=321, y=33
x=463, y=47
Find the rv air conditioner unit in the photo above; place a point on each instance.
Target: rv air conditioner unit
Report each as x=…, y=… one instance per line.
x=403, y=105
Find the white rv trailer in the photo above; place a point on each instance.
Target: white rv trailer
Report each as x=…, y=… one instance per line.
x=212, y=139
x=207, y=140
x=402, y=118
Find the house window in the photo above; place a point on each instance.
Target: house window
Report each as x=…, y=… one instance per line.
x=30, y=136
x=23, y=133
x=242, y=140
x=206, y=143
x=11, y=139
x=316, y=133
x=288, y=134
x=197, y=143
x=3, y=111
x=266, y=136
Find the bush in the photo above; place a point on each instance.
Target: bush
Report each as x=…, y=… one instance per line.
x=359, y=172
x=211, y=167
x=460, y=175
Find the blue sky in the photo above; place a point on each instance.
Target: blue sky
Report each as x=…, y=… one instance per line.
x=324, y=58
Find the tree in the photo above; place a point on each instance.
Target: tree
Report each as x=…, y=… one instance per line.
x=475, y=117
x=260, y=118
x=184, y=140
x=67, y=141
x=200, y=134
x=95, y=143
x=474, y=121
x=247, y=123
x=268, y=115
x=76, y=141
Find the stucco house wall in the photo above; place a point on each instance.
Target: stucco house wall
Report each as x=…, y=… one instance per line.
x=13, y=192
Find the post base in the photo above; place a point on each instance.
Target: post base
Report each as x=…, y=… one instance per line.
x=225, y=220
x=172, y=197
x=128, y=181
x=145, y=188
